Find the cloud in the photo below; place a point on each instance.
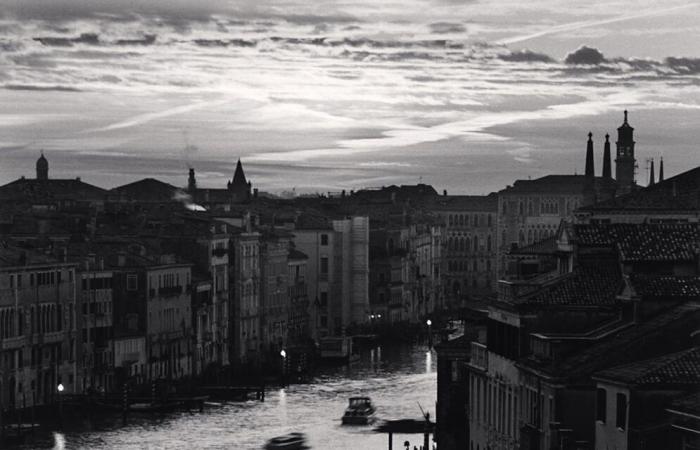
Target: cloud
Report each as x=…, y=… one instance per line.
x=685, y=66
x=525, y=56
x=585, y=55
x=149, y=117
x=85, y=38
x=567, y=27
x=29, y=87
x=447, y=27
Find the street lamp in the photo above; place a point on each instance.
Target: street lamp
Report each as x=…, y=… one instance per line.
x=430, y=334
x=60, y=388
x=283, y=354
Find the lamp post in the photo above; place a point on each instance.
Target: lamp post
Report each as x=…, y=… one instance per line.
x=283, y=354
x=430, y=334
x=60, y=388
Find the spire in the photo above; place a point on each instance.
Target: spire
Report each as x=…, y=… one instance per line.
x=661, y=170
x=191, y=181
x=651, y=173
x=590, y=172
x=239, y=186
x=625, y=116
x=42, y=168
x=607, y=168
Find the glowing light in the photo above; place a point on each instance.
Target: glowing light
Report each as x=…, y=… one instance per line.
x=60, y=387
x=283, y=353
x=429, y=322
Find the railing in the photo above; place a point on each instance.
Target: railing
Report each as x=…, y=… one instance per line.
x=479, y=356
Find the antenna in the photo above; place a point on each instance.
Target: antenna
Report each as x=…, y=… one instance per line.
x=426, y=416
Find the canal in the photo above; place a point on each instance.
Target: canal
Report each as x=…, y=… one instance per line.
x=397, y=378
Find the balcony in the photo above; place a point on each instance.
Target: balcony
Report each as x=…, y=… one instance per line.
x=479, y=356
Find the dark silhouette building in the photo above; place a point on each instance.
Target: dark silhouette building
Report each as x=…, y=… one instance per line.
x=239, y=187
x=625, y=163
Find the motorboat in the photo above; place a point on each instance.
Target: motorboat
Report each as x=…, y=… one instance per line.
x=360, y=411
x=291, y=441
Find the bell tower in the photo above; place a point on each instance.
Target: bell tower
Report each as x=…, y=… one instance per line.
x=625, y=162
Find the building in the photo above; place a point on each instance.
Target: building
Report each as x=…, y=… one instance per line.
x=55, y=194
x=470, y=244
x=631, y=399
x=245, y=287
x=38, y=328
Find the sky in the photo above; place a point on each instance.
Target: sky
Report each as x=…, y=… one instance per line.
x=315, y=96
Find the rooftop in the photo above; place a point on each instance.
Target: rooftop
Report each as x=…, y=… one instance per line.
x=678, y=369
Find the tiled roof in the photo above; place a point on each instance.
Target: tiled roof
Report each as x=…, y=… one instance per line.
x=644, y=242
x=584, y=286
x=546, y=246
x=666, y=286
x=682, y=368
x=648, y=338
x=679, y=193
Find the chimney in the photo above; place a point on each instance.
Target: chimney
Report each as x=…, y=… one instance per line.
x=651, y=173
x=444, y=192
x=607, y=168
x=661, y=170
x=590, y=172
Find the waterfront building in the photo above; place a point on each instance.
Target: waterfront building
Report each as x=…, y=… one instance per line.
x=38, y=328
x=274, y=273
x=245, y=289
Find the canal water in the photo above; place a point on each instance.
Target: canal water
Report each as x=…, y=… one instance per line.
x=397, y=378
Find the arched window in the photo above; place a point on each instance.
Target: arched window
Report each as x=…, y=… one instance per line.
x=475, y=266
x=521, y=238
x=488, y=243
x=450, y=220
x=520, y=208
x=529, y=237
x=503, y=237
x=529, y=208
x=476, y=243
x=504, y=207
x=466, y=244
x=490, y=220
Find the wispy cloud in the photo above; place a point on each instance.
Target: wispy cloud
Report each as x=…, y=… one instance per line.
x=593, y=23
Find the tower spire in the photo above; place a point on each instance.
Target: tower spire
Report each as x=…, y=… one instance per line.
x=590, y=172
x=625, y=162
x=661, y=170
x=651, y=173
x=191, y=182
x=607, y=169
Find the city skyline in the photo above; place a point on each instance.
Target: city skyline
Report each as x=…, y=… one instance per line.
x=344, y=95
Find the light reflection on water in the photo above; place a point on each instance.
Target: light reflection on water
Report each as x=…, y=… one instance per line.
x=396, y=379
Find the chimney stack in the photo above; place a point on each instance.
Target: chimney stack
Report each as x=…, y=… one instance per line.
x=661, y=170
x=651, y=173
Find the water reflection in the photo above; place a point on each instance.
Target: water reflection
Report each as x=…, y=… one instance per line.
x=59, y=441
x=396, y=378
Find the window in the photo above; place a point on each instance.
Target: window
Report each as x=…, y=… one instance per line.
x=131, y=282
x=324, y=239
x=601, y=403
x=621, y=420
x=324, y=299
